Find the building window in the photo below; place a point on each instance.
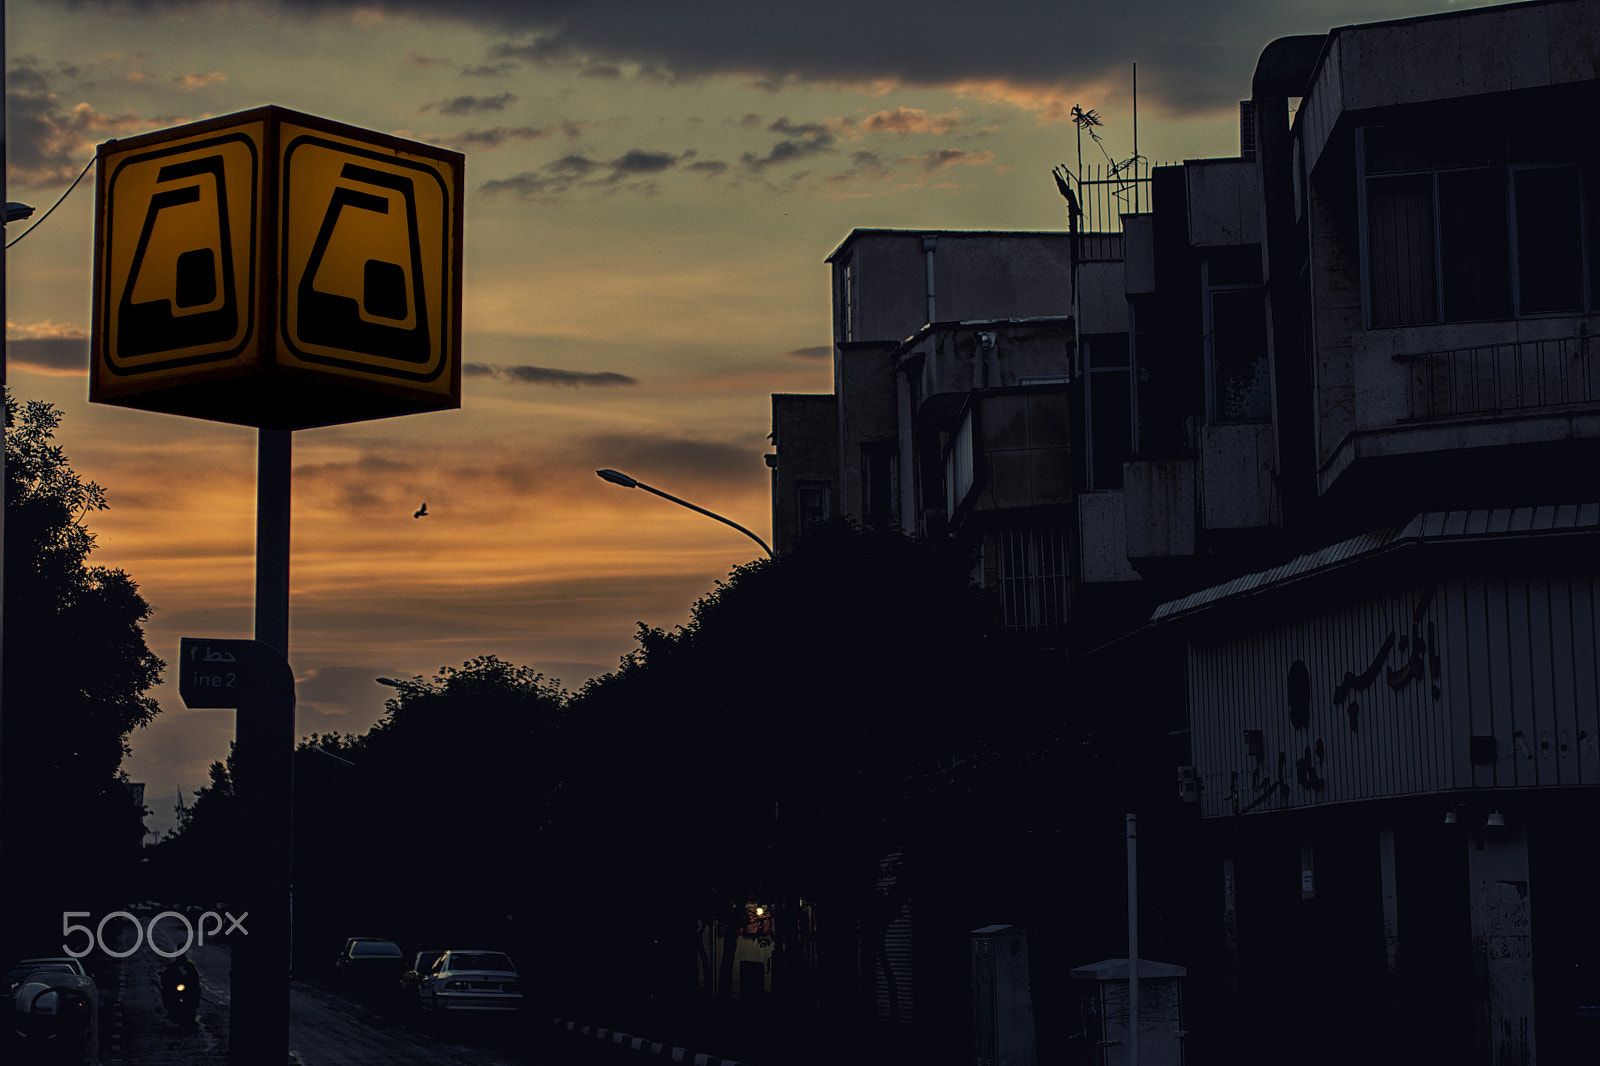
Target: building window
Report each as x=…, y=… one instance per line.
x=958, y=467
x=814, y=503
x=1034, y=579
x=880, y=478
x=1108, y=401
x=1457, y=230
x=1235, y=322
x=848, y=312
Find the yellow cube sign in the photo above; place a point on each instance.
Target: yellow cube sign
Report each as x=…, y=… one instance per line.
x=278, y=270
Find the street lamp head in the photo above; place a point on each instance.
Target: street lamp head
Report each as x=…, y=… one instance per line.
x=616, y=477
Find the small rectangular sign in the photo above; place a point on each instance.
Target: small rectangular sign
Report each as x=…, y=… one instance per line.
x=217, y=673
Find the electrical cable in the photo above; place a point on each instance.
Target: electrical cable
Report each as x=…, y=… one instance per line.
x=55, y=205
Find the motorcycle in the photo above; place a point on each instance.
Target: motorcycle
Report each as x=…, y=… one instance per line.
x=180, y=991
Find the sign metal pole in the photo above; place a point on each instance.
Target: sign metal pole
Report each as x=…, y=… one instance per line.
x=267, y=726
x=254, y=678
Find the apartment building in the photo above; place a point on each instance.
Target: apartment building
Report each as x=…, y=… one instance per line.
x=1297, y=454
x=1394, y=710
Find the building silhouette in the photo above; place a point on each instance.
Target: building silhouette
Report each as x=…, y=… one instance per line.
x=1290, y=458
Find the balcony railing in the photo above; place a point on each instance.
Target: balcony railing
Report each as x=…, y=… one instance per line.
x=1105, y=195
x=1499, y=378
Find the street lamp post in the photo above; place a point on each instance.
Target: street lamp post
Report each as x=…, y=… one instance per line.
x=616, y=477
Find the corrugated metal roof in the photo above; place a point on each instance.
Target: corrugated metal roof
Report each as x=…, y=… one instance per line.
x=1429, y=527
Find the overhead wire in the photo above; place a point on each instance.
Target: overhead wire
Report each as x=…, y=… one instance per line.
x=55, y=205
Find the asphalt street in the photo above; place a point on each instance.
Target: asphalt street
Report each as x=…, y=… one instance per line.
x=326, y=1028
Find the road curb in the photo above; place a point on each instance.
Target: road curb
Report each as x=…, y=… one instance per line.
x=667, y=1052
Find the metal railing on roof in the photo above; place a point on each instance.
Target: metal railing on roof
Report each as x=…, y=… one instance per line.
x=1106, y=193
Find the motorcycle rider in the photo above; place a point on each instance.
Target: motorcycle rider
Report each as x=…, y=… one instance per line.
x=180, y=988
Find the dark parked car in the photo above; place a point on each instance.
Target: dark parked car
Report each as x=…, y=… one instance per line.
x=411, y=980
x=369, y=964
x=48, y=1002
x=472, y=981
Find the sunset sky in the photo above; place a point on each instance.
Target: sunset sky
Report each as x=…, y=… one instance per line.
x=651, y=191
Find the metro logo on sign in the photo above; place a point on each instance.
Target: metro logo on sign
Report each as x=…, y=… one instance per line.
x=277, y=270
x=366, y=258
x=178, y=234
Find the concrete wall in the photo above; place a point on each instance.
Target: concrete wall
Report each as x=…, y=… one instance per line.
x=1393, y=688
x=976, y=275
x=805, y=440
x=1224, y=202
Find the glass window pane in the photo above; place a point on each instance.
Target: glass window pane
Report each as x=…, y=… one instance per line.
x=1111, y=423
x=1239, y=375
x=1549, y=240
x=1400, y=254
x=1473, y=248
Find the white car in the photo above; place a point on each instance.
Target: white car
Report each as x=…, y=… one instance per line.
x=471, y=981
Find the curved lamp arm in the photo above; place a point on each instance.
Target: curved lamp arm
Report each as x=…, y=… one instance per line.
x=616, y=477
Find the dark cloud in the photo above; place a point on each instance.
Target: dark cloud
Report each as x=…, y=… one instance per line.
x=417, y=59
x=804, y=140
x=1192, y=56
x=543, y=375
x=50, y=141
x=50, y=355
x=487, y=140
x=805, y=130
x=468, y=105
x=646, y=457
x=637, y=162
x=942, y=158
x=813, y=354
x=633, y=171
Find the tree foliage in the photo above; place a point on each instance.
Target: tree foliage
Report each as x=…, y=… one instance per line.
x=815, y=714
x=420, y=829
x=77, y=675
x=801, y=726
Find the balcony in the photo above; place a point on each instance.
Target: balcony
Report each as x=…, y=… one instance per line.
x=1522, y=396
x=1495, y=379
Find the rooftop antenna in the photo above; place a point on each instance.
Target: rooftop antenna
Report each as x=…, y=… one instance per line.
x=1085, y=120
x=1135, y=159
x=1117, y=173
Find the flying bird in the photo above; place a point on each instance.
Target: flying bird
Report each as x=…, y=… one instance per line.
x=421, y=511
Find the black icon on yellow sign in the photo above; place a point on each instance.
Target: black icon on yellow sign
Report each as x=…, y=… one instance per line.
x=375, y=320
x=200, y=306
x=174, y=260
x=366, y=260
x=275, y=269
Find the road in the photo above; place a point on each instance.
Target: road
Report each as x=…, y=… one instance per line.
x=326, y=1028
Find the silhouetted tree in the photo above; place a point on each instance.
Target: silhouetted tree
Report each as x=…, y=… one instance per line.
x=422, y=828
x=198, y=861
x=786, y=739
x=77, y=677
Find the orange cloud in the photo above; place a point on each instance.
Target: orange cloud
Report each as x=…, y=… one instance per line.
x=192, y=82
x=908, y=120
x=1049, y=104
